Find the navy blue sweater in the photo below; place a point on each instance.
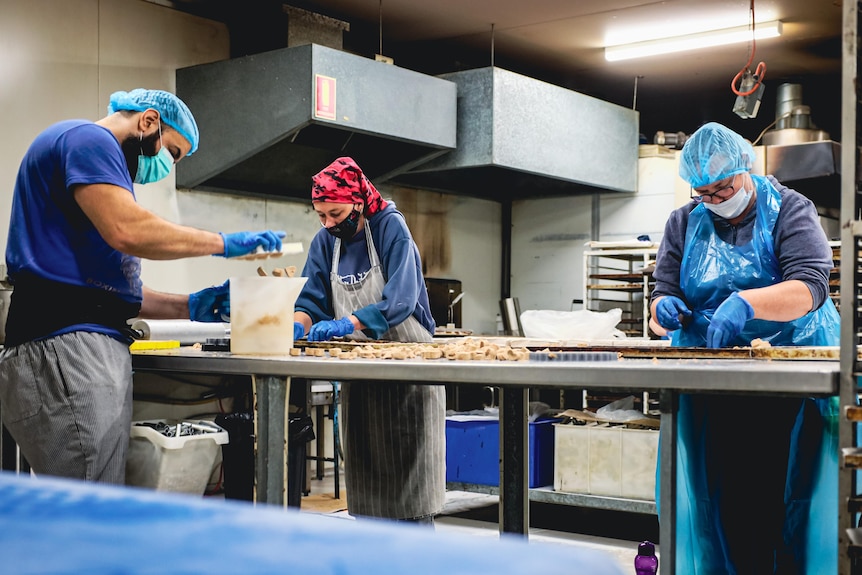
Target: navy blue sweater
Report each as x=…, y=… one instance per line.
x=405, y=293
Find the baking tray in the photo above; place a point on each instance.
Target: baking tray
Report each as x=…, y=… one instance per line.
x=770, y=353
x=619, y=348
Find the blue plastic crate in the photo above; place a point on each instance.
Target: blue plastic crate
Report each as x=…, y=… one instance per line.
x=473, y=452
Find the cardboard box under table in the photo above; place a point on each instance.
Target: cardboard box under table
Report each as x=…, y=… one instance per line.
x=598, y=458
x=473, y=450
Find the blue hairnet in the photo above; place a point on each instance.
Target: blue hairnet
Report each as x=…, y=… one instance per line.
x=172, y=110
x=714, y=153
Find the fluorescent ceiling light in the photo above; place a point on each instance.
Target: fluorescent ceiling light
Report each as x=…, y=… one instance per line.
x=692, y=41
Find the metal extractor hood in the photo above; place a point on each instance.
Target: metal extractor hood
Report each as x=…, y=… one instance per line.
x=519, y=137
x=802, y=156
x=811, y=168
x=270, y=121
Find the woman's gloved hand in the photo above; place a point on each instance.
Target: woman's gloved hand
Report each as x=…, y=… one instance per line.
x=210, y=304
x=728, y=321
x=326, y=330
x=667, y=312
x=298, y=330
x=244, y=243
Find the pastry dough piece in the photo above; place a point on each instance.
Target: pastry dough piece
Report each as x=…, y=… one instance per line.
x=432, y=354
x=366, y=353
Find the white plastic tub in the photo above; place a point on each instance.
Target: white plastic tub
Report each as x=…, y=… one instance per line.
x=598, y=459
x=261, y=314
x=181, y=464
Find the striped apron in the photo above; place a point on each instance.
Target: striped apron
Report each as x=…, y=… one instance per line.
x=395, y=444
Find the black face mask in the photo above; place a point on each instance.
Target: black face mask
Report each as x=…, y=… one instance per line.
x=346, y=228
x=134, y=147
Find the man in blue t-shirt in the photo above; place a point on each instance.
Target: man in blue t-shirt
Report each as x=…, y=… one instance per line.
x=76, y=236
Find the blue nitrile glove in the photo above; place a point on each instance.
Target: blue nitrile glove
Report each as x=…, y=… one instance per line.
x=728, y=321
x=668, y=310
x=326, y=330
x=210, y=304
x=244, y=243
x=298, y=330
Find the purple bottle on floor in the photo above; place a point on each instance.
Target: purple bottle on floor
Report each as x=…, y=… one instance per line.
x=646, y=563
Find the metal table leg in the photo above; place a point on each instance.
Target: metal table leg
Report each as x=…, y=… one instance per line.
x=336, y=436
x=514, y=461
x=270, y=405
x=320, y=459
x=319, y=400
x=669, y=404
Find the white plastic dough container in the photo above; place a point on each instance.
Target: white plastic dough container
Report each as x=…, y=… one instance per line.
x=261, y=314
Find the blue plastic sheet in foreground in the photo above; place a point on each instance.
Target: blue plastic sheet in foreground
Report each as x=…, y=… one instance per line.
x=70, y=527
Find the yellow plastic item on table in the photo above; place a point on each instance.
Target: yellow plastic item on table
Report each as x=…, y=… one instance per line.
x=143, y=344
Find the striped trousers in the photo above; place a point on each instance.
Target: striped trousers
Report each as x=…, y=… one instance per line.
x=67, y=402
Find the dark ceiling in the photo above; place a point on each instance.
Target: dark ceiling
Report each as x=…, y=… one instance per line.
x=561, y=41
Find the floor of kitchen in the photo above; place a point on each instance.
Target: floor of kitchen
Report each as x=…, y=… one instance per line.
x=615, y=533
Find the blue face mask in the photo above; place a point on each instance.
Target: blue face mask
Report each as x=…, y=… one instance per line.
x=154, y=168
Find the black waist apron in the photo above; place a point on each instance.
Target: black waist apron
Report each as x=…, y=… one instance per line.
x=39, y=307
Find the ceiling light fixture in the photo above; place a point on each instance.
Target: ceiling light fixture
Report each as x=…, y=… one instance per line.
x=692, y=41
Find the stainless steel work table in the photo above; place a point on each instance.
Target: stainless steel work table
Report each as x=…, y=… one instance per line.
x=667, y=377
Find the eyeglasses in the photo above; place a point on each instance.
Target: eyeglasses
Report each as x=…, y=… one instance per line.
x=721, y=194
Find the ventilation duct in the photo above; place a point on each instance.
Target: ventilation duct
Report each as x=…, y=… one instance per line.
x=802, y=156
x=270, y=121
x=520, y=137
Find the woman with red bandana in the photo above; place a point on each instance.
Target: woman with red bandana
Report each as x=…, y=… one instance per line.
x=365, y=283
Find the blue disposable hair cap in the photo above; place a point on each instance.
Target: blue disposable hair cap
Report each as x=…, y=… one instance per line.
x=713, y=153
x=172, y=110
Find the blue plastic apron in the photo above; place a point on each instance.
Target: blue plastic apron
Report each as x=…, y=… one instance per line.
x=711, y=270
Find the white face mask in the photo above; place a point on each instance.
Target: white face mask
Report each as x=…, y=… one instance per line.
x=731, y=208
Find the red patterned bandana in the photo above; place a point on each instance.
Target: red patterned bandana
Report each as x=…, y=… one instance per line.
x=343, y=182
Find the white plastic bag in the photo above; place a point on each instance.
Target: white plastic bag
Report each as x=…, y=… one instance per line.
x=580, y=324
x=621, y=410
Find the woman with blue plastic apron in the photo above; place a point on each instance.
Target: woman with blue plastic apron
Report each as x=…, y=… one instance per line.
x=363, y=268
x=757, y=476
